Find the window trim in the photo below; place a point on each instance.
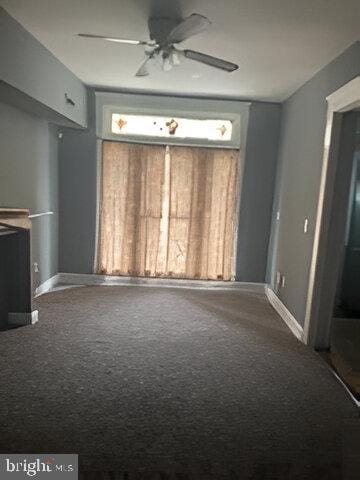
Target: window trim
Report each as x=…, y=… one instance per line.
x=104, y=121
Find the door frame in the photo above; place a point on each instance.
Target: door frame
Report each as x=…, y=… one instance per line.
x=318, y=313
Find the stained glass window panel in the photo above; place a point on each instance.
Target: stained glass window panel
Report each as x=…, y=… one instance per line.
x=170, y=127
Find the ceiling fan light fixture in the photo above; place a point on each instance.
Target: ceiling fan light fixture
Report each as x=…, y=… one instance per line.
x=166, y=64
x=175, y=59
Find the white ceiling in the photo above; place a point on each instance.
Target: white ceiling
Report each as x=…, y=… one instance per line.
x=279, y=44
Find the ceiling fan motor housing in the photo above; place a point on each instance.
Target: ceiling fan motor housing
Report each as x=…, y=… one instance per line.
x=160, y=28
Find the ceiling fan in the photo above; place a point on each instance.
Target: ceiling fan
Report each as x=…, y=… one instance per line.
x=162, y=49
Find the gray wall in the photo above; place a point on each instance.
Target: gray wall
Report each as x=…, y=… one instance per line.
x=29, y=179
x=77, y=170
x=77, y=196
x=257, y=191
x=298, y=178
x=28, y=66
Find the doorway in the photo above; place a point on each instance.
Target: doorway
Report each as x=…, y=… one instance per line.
x=168, y=211
x=330, y=222
x=344, y=353
x=330, y=332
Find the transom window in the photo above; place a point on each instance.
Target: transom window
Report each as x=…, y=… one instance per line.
x=171, y=127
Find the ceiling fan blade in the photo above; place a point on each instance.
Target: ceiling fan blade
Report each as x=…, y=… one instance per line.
x=189, y=27
x=210, y=60
x=143, y=70
x=115, y=39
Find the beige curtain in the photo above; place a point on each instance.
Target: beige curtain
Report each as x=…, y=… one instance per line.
x=168, y=211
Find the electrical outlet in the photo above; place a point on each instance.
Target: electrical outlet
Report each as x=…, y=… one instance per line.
x=282, y=281
x=306, y=225
x=278, y=215
x=36, y=267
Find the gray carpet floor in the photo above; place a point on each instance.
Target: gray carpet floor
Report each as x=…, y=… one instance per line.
x=155, y=383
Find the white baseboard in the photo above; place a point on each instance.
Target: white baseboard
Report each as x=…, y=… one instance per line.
x=94, y=279
x=47, y=286
x=284, y=313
